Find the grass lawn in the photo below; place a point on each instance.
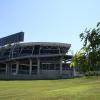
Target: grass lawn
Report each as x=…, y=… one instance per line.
x=65, y=89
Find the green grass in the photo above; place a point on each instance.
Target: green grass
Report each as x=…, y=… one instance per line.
x=65, y=89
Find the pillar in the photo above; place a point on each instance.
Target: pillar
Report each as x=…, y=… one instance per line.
x=17, y=67
x=38, y=66
x=30, y=67
x=7, y=71
x=61, y=66
x=6, y=67
x=59, y=50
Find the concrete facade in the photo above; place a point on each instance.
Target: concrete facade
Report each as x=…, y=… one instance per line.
x=40, y=60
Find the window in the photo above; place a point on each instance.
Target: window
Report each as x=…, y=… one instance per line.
x=23, y=69
x=50, y=66
x=34, y=69
x=57, y=66
x=13, y=68
x=2, y=69
x=49, y=50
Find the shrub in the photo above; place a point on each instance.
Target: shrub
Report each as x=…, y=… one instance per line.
x=92, y=73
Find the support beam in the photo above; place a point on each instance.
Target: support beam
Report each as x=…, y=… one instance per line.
x=30, y=69
x=59, y=50
x=17, y=67
x=39, y=50
x=61, y=66
x=38, y=66
x=6, y=67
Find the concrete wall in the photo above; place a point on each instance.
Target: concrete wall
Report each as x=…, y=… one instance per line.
x=44, y=74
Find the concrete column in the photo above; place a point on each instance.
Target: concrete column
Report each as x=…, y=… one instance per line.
x=59, y=50
x=6, y=67
x=17, y=67
x=7, y=71
x=61, y=66
x=30, y=69
x=39, y=50
x=38, y=66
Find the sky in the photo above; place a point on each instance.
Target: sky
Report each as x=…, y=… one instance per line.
x=49, y=20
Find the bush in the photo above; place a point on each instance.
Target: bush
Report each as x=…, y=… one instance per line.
x=92, y=73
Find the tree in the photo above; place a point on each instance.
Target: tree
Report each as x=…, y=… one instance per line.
x=90, y=59
x=79, y=60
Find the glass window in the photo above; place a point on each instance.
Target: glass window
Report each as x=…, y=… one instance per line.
x=13, y=68
x=23, y=69
x=2, y=69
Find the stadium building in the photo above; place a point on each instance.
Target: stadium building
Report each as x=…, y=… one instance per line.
x=33, y=60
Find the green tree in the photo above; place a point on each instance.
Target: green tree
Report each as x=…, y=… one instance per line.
x=90, y=58
x=79, y=60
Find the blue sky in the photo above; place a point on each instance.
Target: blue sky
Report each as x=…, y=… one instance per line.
x=49, y=20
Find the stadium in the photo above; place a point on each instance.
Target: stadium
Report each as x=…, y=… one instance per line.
x=33, y=60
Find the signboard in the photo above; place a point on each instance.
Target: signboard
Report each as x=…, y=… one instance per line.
x=17, y=37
